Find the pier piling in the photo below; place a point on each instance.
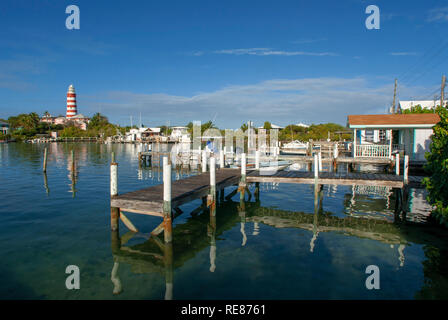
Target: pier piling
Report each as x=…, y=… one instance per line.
x=221, y=159
x=243, y=167
x=45, y=160
x=405, y=169
x=316, y=166
x=257, y=159
x=320, y=160
x=204, y=161
x=213, y=177
x=167, y=221
x=113, y=179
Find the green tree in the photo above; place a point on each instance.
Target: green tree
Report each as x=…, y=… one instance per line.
x=267, y=125
x=97, y=121
x=437, y=168
x=417, y=109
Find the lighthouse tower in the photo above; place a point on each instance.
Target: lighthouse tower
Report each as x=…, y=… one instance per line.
x=71, y=102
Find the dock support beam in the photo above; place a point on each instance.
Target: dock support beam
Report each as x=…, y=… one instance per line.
x=167, y=221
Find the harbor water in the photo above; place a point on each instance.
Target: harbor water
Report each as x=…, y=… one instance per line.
x=275, y=245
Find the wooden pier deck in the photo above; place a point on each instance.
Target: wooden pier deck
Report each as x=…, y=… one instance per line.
x=150, y=200
x=339, y=178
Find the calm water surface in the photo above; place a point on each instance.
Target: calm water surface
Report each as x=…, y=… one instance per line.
x=277, y=246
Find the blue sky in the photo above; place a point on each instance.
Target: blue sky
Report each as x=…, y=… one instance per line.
x=231, y=61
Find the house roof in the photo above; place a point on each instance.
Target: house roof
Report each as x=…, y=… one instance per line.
x=421, y=120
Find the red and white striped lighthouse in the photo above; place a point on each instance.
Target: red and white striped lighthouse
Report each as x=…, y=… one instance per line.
x=71, y=102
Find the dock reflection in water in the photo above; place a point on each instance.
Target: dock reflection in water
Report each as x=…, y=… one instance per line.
x=190, y=237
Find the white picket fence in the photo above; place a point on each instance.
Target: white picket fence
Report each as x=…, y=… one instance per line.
x=372, y=151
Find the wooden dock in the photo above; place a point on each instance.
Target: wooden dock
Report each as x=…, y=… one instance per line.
x=150, y=200
x=338, y=178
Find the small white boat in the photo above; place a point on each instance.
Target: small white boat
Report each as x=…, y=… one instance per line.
x=295, y=147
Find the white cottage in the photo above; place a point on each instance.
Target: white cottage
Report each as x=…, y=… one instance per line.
x=381, y=135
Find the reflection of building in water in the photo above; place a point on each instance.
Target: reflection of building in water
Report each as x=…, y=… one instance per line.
x=373, y=201
x=419, y=208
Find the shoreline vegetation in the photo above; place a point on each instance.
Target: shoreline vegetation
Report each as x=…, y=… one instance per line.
x=28, y=126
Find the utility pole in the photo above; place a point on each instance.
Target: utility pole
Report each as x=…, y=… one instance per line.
x=442, y=95
x=395, y=96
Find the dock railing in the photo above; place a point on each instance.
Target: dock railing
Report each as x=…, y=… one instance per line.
x=373, y=151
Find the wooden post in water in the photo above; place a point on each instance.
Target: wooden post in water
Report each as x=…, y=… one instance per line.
x=397, y=164
x=213, y=179
x=221, y=159
x=113, y=179
x=257, y=159
x=45, y=160
x=167, y=203
x=320, y=161
x=405, y=169
x=114, y=212
x=204, y=161
x=243, y=167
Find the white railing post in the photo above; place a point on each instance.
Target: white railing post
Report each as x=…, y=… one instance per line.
x=257, y=159
x=405, y=169
x=204, y=161
x=316, y=166
x=167, y=203
x=397, y=164
x=243, y=166
x=221, y=160
x=320, y=160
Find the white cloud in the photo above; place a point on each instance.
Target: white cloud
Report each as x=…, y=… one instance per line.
x=281, y=101
x=438, y=14
x=403, y=53
x=271, y=52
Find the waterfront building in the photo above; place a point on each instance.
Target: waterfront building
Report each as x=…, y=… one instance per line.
x=79, y=120
x=140, y=134
x=180, y=134
x=4, y=127
x=382, y=135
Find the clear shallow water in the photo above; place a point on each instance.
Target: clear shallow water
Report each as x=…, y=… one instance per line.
x=282, y=247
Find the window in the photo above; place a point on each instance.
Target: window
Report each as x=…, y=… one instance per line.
x=369, y=135
x=382, y=136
